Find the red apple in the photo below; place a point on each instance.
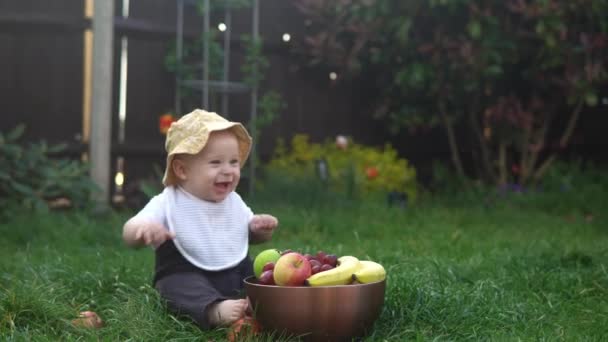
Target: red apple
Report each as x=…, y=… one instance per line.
x=292, y=269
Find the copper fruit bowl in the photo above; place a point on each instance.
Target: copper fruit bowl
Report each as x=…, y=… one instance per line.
x=324, y=313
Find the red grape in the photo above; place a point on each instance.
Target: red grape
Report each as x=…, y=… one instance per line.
x=309, y=257
x=321, y=256
x=268, y=266
x=316, y=269
x=316, y=262
x=326, y=267
x=331, y=259
x=267, y=278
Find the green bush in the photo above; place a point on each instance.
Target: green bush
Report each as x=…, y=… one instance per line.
x=29, y=177
x=569, y=188
x=353, y=170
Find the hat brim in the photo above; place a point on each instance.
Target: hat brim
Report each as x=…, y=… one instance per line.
x=196, y=145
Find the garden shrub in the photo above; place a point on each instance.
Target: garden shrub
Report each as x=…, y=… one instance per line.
x=352, y=170
x=569, y=188
x=29, y=177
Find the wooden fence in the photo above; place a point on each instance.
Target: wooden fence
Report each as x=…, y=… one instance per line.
x=41, y=63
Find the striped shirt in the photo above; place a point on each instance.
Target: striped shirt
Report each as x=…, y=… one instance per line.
x=212, y=236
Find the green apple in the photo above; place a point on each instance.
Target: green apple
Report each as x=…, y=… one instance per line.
x=269, y=255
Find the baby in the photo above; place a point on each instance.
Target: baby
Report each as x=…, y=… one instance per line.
x=199, y=226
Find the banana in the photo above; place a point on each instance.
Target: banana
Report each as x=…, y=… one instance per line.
x=341, y=275
x=369, y=272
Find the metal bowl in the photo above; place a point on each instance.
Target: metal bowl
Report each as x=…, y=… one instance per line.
x=324, y=313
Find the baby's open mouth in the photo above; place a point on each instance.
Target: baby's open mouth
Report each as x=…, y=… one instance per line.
x=223, y=185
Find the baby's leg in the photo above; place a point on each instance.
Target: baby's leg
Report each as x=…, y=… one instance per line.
x=206, y=296
x=227, y=311
x=193, y=295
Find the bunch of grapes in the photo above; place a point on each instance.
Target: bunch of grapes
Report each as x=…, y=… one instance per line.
x=321, y=261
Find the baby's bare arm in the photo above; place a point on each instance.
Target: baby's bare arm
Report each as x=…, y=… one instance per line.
x=141, y=232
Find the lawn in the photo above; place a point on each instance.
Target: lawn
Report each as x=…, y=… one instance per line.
x=530, y=267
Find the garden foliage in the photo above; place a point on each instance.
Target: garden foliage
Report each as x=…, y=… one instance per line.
x=30, y=177
x=507, y=80
x=356, y=169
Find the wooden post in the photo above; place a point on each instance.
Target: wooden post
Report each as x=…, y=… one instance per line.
x=101, y=119
x=254, y=101
x=87, y=64
x=206, y=18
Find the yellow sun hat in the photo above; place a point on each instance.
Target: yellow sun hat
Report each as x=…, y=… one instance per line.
x=191, y=132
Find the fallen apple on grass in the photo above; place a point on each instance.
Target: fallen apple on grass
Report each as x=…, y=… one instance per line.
x=243, y=330
x=89, y=320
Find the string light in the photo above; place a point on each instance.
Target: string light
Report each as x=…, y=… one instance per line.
x=333, y=76
x=222, y=27
x=119, y=179
x=286, y=37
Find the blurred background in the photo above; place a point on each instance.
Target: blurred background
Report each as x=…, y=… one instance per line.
x=490, y=89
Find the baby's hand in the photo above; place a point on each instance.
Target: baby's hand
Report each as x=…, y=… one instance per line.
x=263, y=223
x=261, y=227
x=153, y=234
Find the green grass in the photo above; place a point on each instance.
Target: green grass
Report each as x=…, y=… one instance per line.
x=525, y=267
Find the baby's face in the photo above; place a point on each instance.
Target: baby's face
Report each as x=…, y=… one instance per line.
x=214, y=173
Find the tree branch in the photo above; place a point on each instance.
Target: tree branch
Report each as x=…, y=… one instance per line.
x=485, y=155
x=563, y=141
x=451, y=139
x=502, y=164
x=524, y=164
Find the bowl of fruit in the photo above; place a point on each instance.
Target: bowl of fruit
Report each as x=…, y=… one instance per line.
x=318, y=297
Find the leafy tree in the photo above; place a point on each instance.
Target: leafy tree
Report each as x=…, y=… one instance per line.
x=494, y=74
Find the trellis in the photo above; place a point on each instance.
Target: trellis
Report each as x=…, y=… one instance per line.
x=225, y=86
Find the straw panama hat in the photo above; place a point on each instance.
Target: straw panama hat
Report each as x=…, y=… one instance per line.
x=191, y=132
